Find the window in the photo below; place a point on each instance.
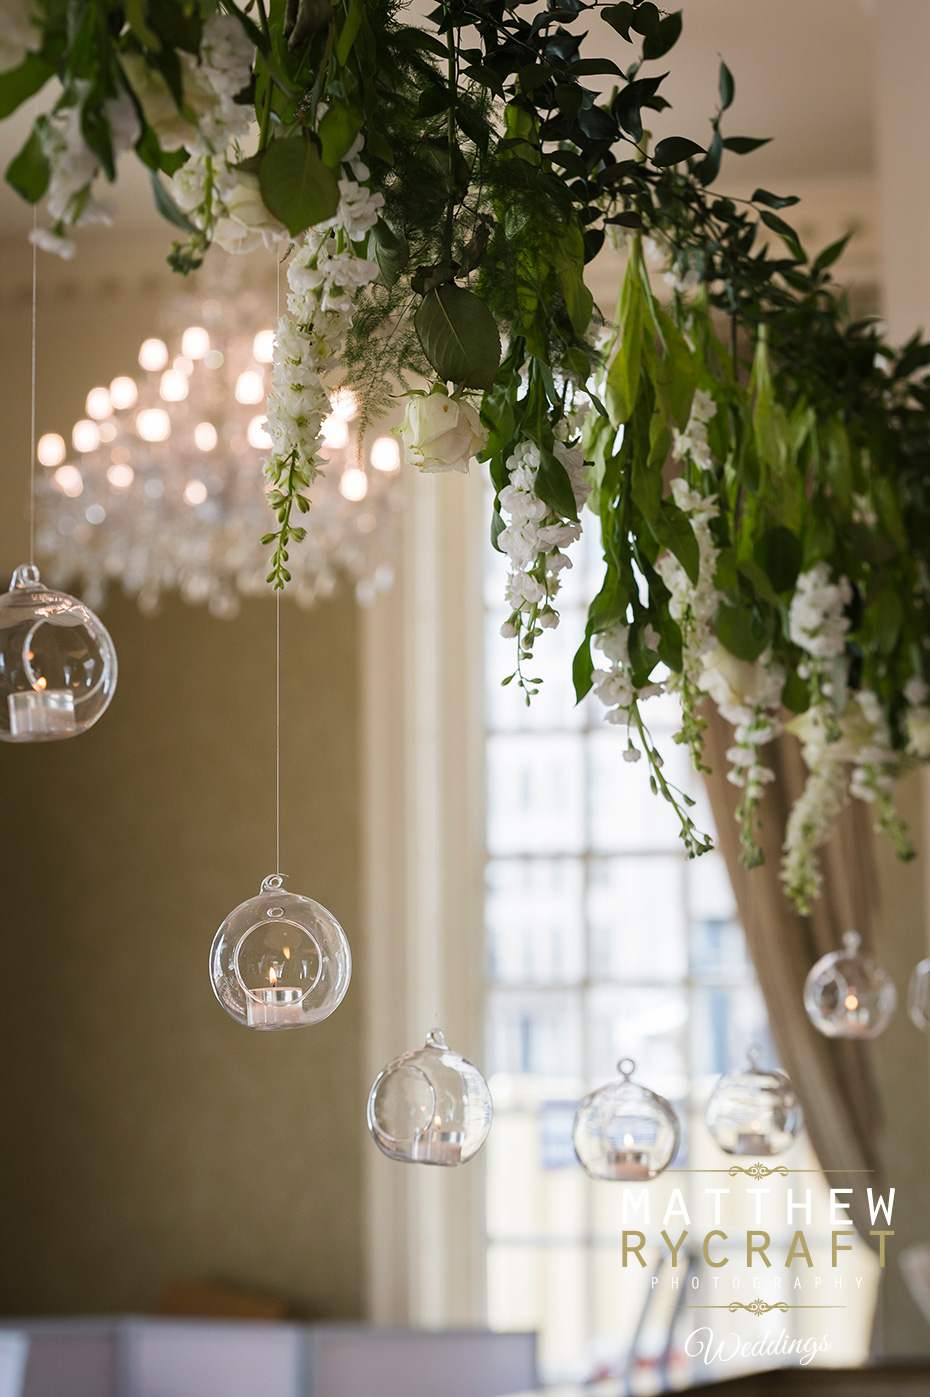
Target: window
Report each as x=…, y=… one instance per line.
x=604, y=941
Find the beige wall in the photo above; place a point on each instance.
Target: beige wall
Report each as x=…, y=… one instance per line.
x=145, y=1135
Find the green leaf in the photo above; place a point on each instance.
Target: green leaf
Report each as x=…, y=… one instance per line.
x=726, y=87
x=553, y=485
x=744, y=145
x=680, y=368
x=459, y=336
x=29, y=172
x=674, y=149
x=390, y=250
x=672, y=528
x=167, y=207
x=619, y=17
x=349, y=32
x=779, y=554
x=296, y=185
x=784, y=230
x=666, y=37
x=337, y=132
x=741, y=629
x=885, y=617
x=775, y=201
x=622, y=386
x=831, y=254
x=796, y=695
x=20, y=83
x=757, y=576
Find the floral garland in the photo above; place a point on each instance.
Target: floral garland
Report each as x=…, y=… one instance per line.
x=756, y=462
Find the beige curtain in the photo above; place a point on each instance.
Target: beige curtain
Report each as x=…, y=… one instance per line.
x=834, y=1079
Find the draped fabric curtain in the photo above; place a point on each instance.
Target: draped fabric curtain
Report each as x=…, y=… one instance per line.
x=835, y=1079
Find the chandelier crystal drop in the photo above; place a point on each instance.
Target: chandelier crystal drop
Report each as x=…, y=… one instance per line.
x=280, y=960
x=161, y=489
x=430, y=1106
x=754, y=1111
x=624, y=1131
x=57, y=662
x=847, y=995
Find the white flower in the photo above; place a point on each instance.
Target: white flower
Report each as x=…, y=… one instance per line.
x=159, y=108
x=441, y=433
x=49, y=241
x=247, y=224
x=20, y=32
x=815, y=618
x=738, y=685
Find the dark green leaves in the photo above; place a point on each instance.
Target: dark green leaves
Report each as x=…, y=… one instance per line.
x=554, y=487
x=297, y=187
x=390, y=250
x=459, y=336
x=774, y=201
x=673, y=531
x=628, y=104
x=19, y=83
x=742, y=629
x=28, y=172
x=784, y=230
x=726, y=87
x=665, y=37
x=167, y=207
x=674, y=149
x=744, y=145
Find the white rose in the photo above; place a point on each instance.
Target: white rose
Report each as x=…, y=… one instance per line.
x=856, y=733
x=734, y=684
x=441, y=433
x=247, y=223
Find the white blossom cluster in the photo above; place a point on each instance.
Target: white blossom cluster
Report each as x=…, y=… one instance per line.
x=809, y=824
x=693, y=440
x=816, y=620
x=917, y=722
x=614, y=685
x=323, y=276
x=748, y=695
x=534, y=538
x=20, y=32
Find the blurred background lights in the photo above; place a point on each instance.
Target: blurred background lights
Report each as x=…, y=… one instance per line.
x=195, y=492
x=250, y=387
x=205, y=436
x=344, y=404
x=153, y=355
x=335, y=432
x=50, y=450
x=195, y=342
x=263, y=347
x=385, y=454
x=121, y=477
x=95, y=514
x=258, y=436
x=69, y=481
x=354, y=483
x=153, y=424
x=174, y=387
x=85, y=436
x=98, y=404
x=123, y=393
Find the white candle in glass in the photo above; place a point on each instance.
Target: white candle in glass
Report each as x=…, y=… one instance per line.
x=628, y=1162
x=752, y=1141
x=437, y=1146
x=41, y=710
x=274, y=1006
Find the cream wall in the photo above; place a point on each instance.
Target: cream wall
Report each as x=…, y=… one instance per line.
x=146, y=1136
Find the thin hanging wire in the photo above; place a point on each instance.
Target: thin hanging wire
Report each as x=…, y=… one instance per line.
x=277, y=649
x=32, y=399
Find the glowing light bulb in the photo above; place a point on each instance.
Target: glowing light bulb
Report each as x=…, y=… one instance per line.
x=335, y=432
x=50, y=450
x=628, y=1142
x=205, y=436
x=385, y=454
x=153, y=424
x=123, y=392
x=98, y=403
x=107, y=431
x=121, y=477
x=851, y=1002
x=85, y=436
x=182, y=365
x=258, y=435
x=250, y=387
x=69, y=481
x=263, y=347
x=344, y=404
x=195, y=342
x=354, y=484
x=174, y=386
x=195, y=492
x=153, y=355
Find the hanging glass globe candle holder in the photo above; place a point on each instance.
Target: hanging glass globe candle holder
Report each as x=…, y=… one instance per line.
x=280, y=960
x=624, y=1130
x=430, y=1106
x=918, y=996
x=754, y=1111
x=57, y=662
x=847, y=995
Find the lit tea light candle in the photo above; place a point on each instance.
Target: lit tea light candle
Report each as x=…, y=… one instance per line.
x=438, y=1146
x=41, y=710
x=752, y=1141
x=275, y=1005
x=628, y=1162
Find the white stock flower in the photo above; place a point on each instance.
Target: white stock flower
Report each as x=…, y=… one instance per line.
x=815, y=619
x=738, y=686
x=441, y=433
x=246, y=223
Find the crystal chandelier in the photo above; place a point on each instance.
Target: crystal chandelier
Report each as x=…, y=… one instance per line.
x=163, y=489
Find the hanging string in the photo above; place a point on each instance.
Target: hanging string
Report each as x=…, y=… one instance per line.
x=277, y=647
x=32, y=399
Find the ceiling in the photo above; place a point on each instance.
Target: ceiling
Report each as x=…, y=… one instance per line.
x=803, y=71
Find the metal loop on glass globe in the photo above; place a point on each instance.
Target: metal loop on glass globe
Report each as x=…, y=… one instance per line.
x=918, y=996
x=625, y=1131
x=57, y=662
x=430, y=1106
x=847, y=995
x=754, y=1111
x=280, y=960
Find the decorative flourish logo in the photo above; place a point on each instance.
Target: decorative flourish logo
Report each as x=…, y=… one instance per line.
x=757, y=1307
x=759, y=1171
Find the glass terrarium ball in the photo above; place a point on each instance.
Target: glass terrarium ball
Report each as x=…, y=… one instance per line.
x=57, y=662
x=847, y=995
x=280, y=960
x=918, y=995
x=754, y=1111
x=624, y=1130
x=430, y=1106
